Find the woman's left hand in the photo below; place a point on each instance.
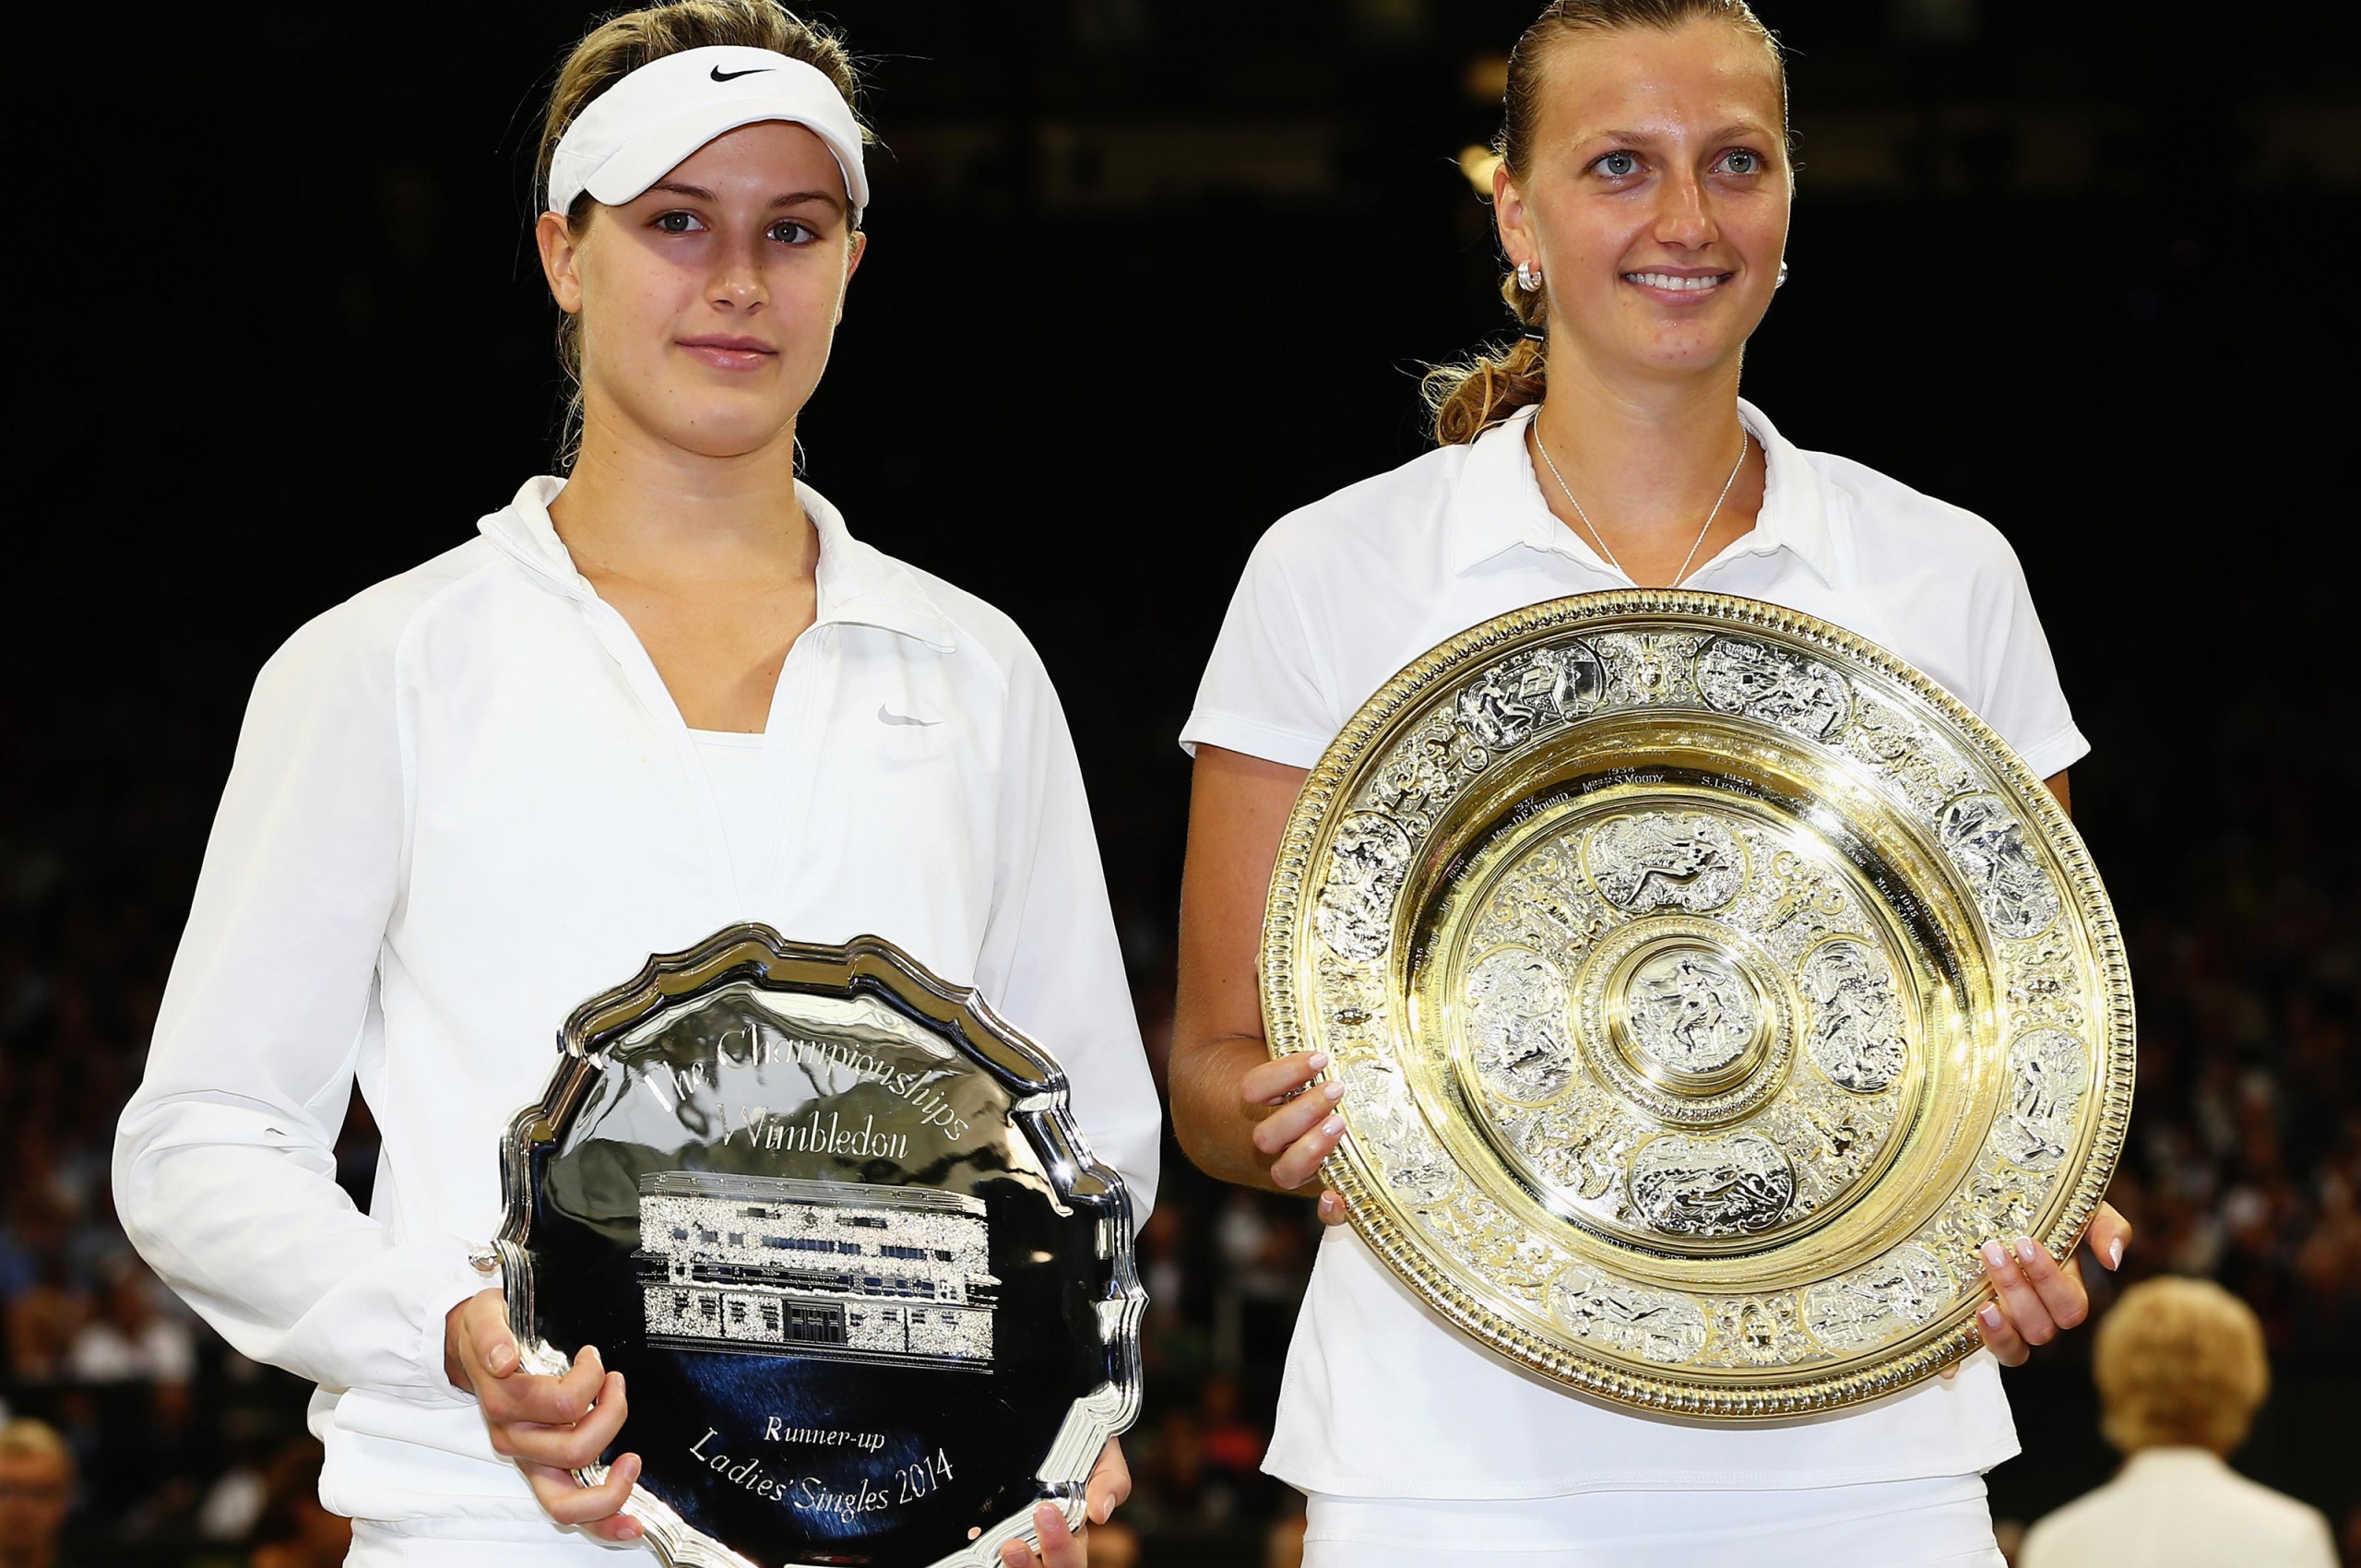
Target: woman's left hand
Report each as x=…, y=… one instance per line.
x=1109, y=1483
x=2038, y=1297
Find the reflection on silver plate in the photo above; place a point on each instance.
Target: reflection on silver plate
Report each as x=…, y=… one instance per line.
x=1707, y=984
x=872, y=1298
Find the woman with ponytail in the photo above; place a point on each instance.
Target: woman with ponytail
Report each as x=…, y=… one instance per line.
x=666, y=694
x=1642, y=201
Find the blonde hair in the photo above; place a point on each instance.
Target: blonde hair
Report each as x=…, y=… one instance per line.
x=2179, y=1363
x=1470, y=396
x=26, y=1438
x=621, y=45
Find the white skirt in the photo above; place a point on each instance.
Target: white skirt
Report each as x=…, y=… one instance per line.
x=486, y=1543
x=1921, y=1524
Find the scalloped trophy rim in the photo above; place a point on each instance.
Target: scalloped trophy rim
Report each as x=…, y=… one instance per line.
x=865, y=965
x=1402, y=701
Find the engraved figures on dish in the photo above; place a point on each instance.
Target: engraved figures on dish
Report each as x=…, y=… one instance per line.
x=1421, y=773
x=1904, y=751
x=1366, y=863
x=1661, y=860
x=1908, y=1286
x=1736, y=675
x=1517, y=1001
x=1987, y=843
x=1486, y=1236
x=1387, y=1125
x=1857, y=1036
x=1760, y=1331
x=1648, y=669
x=1691, y=1010
x=1505, y=705
x=2047, y=1072
x=1687, y=1184
x=1832, y=1139
x=1580, y=1145
x=1655, y=1326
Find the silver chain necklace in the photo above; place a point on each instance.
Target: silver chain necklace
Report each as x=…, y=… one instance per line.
x=1538, y=446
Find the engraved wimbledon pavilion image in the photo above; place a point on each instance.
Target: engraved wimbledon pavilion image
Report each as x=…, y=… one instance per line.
x=839, y=1270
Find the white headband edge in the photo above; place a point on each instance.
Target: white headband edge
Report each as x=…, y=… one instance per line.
x=648, y=106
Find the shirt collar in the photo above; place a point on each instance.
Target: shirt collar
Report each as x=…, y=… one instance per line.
x=2173, y=1460
x=1498, y=504
x=859, y=584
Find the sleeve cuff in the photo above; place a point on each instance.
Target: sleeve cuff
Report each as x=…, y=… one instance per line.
x=453, y=1280
x=1290, y=748
x=2054, y=754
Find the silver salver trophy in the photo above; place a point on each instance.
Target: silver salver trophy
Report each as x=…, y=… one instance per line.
x=872, y=1296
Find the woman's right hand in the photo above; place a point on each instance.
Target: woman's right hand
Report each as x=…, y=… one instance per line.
x=1241, y=1116
x=550, y=1426
x=1297, y=1124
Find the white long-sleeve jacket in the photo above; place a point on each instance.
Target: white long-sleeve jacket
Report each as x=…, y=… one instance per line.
x=463, y=803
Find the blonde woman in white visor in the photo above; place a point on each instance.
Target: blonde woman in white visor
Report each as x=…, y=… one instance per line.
x=669, y=693
x=1643, y=202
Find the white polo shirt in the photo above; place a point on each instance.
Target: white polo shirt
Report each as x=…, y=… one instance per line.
x=1381, y=1399
x=463, y=804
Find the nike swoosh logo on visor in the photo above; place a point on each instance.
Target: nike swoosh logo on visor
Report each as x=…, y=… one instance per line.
x=885, y=716
x=721, y=76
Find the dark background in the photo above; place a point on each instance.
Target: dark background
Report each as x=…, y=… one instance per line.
x=1143, y=276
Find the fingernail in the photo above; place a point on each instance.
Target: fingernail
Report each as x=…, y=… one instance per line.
x=1990, y=1316
x=2114, y=1252
x=1995, y=1255
x=1336, y=1092
x=1318, y=1059
x=2026, y=1250
x=590, y=1354
x=1334, y=1125
x=503, y=1356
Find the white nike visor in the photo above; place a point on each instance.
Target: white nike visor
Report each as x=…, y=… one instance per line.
x=640, y=129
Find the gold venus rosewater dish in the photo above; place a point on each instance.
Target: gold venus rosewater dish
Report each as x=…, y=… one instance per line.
x=1706, y=985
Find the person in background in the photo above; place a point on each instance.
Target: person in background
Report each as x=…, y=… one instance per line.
x=1283, y=1543
x=130, y=1339
x=36, y=1490
x=44, y=1309
x=2181, y=1371
x=1230, y=1442
x=294, y=1531
x=1113, y=1545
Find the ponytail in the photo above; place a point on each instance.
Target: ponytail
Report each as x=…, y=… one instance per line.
x=1469, y=397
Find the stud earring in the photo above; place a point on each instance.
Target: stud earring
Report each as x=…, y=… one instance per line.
x=1528, y=276
x=1781, y=280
